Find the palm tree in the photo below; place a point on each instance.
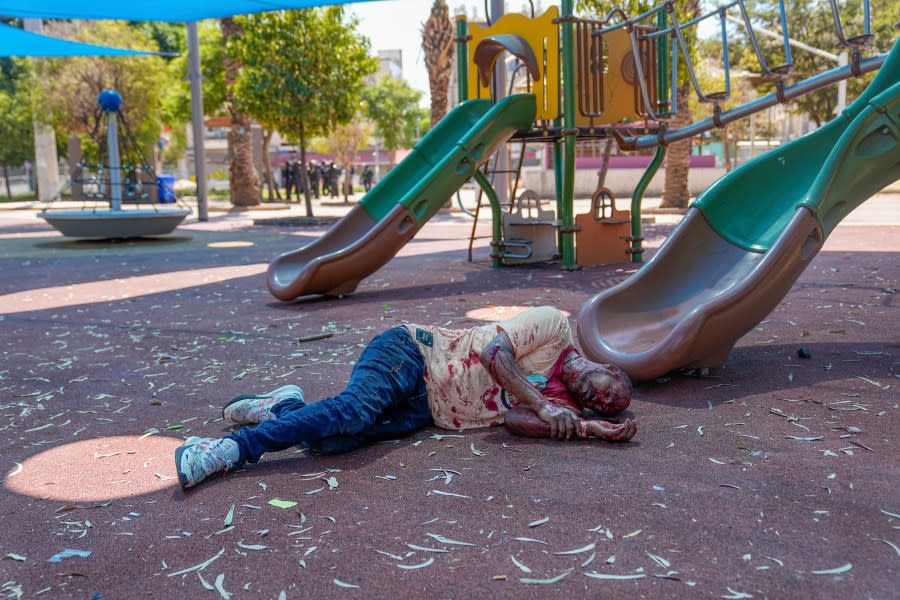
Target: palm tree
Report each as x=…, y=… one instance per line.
x=242, y=176
x=437, y=43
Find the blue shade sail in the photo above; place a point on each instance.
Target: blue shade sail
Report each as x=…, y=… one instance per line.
x=16, y=42
x=160, y=10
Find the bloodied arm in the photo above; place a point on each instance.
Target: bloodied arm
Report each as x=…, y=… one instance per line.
x=523, y=421
x=498, y=357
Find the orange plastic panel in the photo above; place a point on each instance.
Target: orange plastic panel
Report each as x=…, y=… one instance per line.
x=602, y=237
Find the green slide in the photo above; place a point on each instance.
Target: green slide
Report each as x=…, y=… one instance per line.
x=746, y=240
x=402, y=202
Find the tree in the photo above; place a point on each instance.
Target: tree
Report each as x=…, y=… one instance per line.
x=309, y=64
x=812, y=23
x=392, y=104
x=242, y=177
x=344, y=143
x=437, y=44
x=67, y=89
x=16, y=131
x=212, y=68
x=417, y=124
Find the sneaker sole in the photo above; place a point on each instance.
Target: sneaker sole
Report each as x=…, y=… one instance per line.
x=243, y=397
x=182, y=479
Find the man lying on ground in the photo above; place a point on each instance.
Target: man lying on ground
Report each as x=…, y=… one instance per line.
x=525, y=372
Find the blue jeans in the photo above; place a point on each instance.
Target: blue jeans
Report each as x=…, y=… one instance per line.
x=385, y=398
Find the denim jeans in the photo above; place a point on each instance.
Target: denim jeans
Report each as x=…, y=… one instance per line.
x=385, y=398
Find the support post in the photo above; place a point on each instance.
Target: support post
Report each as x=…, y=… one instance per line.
x=496, y=219
x=196, y=79
x=663, y=105
x=501, y=174
x=637, y=236
x=462, y=58
x=567, y=235
x=115, y=165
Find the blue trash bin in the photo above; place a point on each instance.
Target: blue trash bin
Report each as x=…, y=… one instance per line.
x=166, y=188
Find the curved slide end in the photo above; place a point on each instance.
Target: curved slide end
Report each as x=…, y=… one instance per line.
x=333, y=265
x=689, y=305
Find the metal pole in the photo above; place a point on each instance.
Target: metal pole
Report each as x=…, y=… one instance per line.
x=46, y=162
x=496, y=219
x=567, y=237
x=115, y=166
x=462, y=60
x=637, y=252
x=501, y=176
x=196, y=79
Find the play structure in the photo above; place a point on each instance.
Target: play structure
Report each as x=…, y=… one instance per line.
x=737, y=252
x=120, y=196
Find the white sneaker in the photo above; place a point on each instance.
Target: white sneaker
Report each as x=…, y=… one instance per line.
x=256, y=408
x=200, y=457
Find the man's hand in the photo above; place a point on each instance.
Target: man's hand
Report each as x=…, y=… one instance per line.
x=610, y=432
x=562, y=422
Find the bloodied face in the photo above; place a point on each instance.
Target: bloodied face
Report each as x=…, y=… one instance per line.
x=604, y=389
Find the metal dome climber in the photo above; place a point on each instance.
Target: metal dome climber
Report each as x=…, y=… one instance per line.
x=119, y=194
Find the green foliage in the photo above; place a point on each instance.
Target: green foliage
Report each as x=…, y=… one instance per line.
x=170, y=38
x=302, y=70
x=393, y=105
x=16, y=128
x=418, y=124
x=176, y=96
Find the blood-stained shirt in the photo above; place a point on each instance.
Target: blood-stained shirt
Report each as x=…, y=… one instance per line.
x=461, y=392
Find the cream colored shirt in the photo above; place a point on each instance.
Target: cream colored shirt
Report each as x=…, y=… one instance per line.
x=461, y=392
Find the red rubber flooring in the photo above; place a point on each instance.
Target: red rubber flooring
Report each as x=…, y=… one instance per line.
x=773, y=476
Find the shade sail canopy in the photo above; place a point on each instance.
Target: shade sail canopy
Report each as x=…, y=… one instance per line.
x=160, y=10
x=16, y=42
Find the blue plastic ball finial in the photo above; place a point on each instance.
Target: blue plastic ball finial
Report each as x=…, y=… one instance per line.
x=110, y=100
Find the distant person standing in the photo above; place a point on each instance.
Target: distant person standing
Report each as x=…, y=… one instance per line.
x=287, y=175
x=299, y=179
x=315, y=175
x=331, y=179
x=367, y=177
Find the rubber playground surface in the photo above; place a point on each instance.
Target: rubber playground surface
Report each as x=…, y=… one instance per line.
x=773, y=476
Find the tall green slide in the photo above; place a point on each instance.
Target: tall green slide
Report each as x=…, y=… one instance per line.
x=746, y=240
x=402, y=202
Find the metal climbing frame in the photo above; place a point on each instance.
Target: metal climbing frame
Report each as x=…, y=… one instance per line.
x=490, y=170
x=674, y=34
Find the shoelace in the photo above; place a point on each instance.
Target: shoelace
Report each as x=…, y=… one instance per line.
x=213, y=456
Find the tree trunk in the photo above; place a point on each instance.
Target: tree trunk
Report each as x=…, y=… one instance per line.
x=348, y=183
x=604, y=166
x=437, y=45
x=6, y=179
x=304, y=174
x=675, y=192
x=242, y=176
